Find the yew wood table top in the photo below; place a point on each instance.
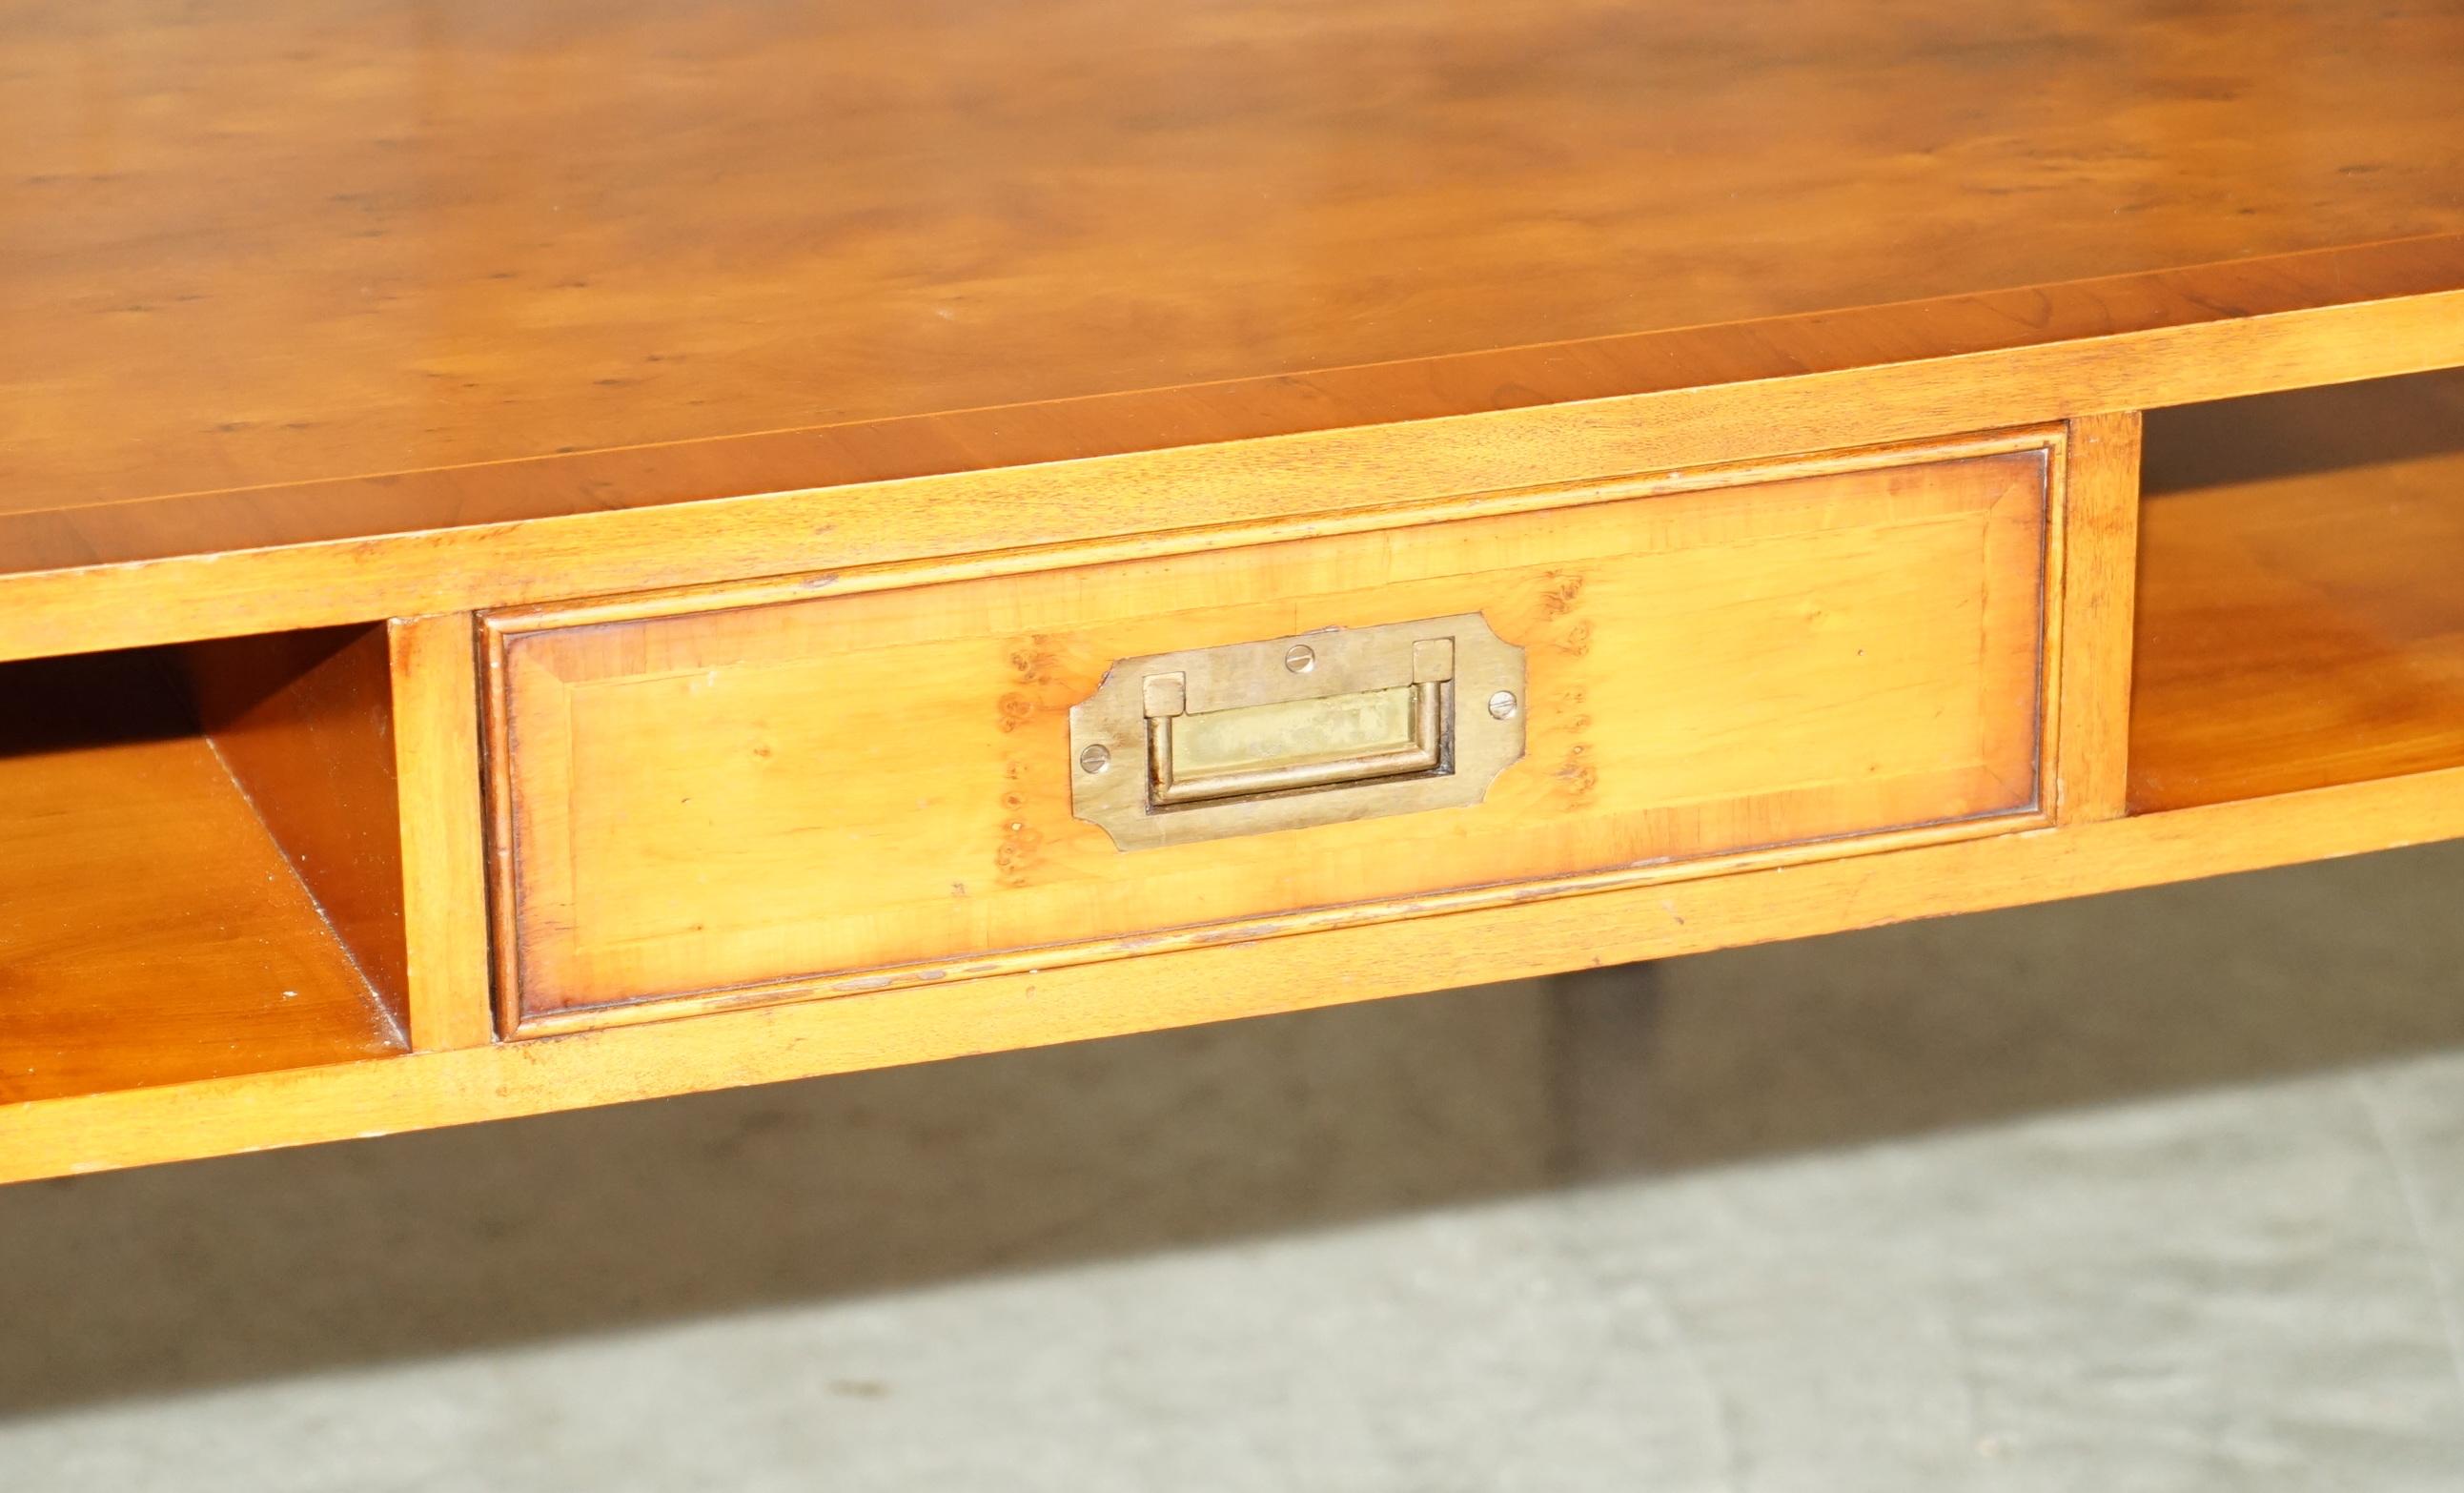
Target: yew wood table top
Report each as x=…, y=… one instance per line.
x=278, y=275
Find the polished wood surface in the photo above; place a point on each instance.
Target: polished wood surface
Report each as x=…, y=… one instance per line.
x=540, y=531
x=829, y=350
x=2100, y=578
x=151, y=930
x=748, y=794
x=467, y=263
x=2302, y=593
x=1031, y=1007
x=468, y=232
x=433, y=665
x=304, y=723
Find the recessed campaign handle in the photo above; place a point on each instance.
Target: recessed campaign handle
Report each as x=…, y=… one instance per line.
x=1331, y=726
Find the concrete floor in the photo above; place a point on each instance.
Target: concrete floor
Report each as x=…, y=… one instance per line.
x=2155, y=1192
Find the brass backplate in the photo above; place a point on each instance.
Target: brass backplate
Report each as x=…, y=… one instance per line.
x=1321, y=728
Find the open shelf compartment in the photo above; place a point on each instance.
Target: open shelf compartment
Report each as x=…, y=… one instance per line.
x=179, y=902
x=2301, y=593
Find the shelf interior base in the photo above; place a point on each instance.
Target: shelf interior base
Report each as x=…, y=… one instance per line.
x=151, y=930
x=2301, y=593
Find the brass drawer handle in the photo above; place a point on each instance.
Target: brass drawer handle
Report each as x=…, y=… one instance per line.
x=1335, y=725
x=1320, y=743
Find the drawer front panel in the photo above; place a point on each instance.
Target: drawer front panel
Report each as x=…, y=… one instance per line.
x=836, y=793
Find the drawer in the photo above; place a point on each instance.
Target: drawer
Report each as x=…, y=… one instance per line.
x=862, y=781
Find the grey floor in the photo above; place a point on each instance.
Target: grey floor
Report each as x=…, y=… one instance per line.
x=2154, y=1192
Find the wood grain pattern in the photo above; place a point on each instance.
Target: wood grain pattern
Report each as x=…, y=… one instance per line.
x=304, y=723
x=411, y=289
x=1210, y=984
x=743, y=796
x=314, y=317
x=319, y=554
x=2100, y=555
x=151, y=931
x=434, y=676
x=2301, y=620
x=459, y=233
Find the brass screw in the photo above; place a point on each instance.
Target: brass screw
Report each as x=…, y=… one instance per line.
x=1502, y=705
x=1094, y=760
